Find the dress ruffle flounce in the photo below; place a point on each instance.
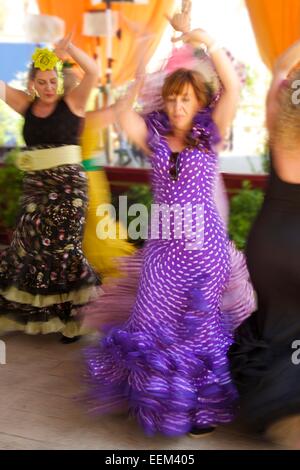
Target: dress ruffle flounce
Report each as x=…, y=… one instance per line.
x=165, y=386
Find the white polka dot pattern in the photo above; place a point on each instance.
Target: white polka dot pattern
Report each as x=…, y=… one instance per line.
x=168, y=362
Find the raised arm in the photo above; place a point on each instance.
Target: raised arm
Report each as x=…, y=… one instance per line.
x=226, y=107
x=77, y=98
x=225, y=110
x=18, y=100
x=286, y=62
x=130, y=121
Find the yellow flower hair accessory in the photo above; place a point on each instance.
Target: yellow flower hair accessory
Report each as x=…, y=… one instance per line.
x=44, y=59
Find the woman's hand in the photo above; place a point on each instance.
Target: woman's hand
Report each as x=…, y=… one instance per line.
x=78, y=96
x=181, y=21
x=195, y=38
x=62, y=47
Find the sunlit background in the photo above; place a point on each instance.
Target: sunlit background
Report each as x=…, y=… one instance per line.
x=227, y=20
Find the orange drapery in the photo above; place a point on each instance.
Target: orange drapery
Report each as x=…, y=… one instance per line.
x=151, y=16
x=276, y=24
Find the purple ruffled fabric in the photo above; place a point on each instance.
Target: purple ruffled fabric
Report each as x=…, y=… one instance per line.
x=160, y=384
x=204, y=131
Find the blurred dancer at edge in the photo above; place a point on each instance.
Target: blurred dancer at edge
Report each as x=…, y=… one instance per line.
x=265, y=356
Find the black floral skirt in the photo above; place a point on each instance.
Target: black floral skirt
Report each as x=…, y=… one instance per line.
x=44, y=275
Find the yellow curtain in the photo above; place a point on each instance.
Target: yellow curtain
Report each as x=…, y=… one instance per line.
x=150, y=15
x=276, y=24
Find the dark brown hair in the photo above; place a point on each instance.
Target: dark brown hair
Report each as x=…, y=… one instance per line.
x=175, y=82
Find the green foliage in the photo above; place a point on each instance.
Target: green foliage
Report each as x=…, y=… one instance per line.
x=265, y=155
x=137, y=194
x=251, y=79
x=11, y=188
x=243, y=210
x=141, y=194
x=11, y=126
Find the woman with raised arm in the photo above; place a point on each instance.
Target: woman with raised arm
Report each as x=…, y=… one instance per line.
x=264, y=358
x=44, y=275
x=168, y=363
x=238, y=300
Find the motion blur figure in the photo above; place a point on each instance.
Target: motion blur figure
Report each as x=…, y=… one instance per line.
x=263, y=359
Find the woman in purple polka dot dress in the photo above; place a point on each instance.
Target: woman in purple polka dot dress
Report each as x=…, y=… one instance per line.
x=168, y=363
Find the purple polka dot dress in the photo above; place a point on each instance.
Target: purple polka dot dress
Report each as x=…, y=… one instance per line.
x=168, y=363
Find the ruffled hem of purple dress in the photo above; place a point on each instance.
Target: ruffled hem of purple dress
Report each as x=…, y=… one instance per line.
x=167, y=392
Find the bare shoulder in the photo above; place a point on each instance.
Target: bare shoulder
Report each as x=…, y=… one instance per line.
x=78, y=111
x=18, y=100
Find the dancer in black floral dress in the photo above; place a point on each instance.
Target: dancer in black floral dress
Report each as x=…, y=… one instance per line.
x=44, y=274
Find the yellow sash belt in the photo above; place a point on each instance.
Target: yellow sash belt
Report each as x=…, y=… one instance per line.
x=43, y=159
